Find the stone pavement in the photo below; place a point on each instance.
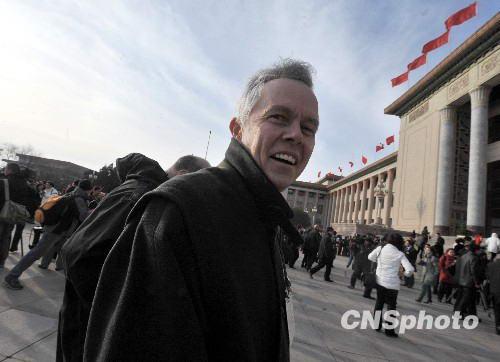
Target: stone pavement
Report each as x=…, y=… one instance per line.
x=28, y=317
x=319, y=306
x=28, y=323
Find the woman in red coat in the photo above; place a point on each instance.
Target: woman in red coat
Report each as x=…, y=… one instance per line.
x=446, y=270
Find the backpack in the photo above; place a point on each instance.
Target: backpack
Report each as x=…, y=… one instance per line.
x=12, y=212
x=52, y=210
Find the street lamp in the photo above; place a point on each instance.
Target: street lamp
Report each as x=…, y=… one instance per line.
x=314, y=211
x=380, y=192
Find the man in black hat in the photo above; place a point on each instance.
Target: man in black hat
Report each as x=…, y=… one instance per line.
x=54, y=236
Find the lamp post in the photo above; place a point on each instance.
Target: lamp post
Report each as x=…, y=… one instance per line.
x=313, y=211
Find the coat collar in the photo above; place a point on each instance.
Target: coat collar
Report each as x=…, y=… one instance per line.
x=268, y=198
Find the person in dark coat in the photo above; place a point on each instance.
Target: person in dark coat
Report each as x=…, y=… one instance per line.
x=326, y=254
x=466, y=276
x=411, y=254
x=493, y=273
x=19, y=192
x=439, y=245
x=84, y=253
x=197, y=273
x=361, y=264
x=311, y=246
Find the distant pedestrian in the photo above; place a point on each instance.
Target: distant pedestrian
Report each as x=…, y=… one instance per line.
x=429, y=274
x=326, y=255
x=19, y=192
x=446, y=273
x=389, y=258
x=311, y=246
x=466, y=276
x=492, y=246
x=54, y=236
x=49, y=191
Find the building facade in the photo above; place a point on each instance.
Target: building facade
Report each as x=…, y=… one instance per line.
x=446, y=173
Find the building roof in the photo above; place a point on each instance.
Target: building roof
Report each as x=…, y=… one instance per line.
x=387, y=160
x=309, y=185
x=479, y=43
x=28, y=159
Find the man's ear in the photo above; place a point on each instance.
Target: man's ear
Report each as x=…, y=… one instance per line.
x=235, y=128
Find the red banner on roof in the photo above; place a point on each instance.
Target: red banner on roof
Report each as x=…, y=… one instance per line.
x=421, y=60
x=436, y=43
x=461, y=16
x=399, y=79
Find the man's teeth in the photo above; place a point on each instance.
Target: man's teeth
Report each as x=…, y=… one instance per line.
x=287, y=158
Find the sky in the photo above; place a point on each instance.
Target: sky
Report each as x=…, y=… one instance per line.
x=91, y=81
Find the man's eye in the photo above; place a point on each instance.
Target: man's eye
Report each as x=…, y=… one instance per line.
x=308, y=131
x=278, y=117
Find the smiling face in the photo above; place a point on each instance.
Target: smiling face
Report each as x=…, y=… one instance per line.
x=280, y=130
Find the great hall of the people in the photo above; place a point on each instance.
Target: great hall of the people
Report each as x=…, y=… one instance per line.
x=446, y=172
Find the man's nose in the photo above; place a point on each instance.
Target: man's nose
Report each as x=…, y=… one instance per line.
x=294, y=132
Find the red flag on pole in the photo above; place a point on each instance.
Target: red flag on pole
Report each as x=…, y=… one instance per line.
x=364, y=160
x=379, y=147
x=319, y=174
x=389, y=140
x=421, y=60
x=461, y=16
x=399, y=79
x=436, y=43
x=351, y=163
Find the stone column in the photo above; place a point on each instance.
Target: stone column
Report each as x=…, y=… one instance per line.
x=476, y=198
x=337, y=206
x=363, y=201
x=334, y=206
x=346, y=203
x=371, y=203
x=388, y=197
x=351, y=201
x=355, y=218
x=446, y=170
x=341, y=206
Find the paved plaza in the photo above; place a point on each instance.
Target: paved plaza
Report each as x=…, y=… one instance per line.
x=28, y=323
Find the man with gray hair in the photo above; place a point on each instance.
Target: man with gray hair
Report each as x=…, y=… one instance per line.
x=197, y=274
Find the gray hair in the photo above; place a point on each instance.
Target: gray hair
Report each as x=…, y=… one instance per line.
x=286, y=68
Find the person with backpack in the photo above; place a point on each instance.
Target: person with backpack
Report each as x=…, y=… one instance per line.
x=19, y=192
x=60, y=221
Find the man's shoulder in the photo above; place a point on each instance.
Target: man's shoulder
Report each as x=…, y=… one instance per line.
x=190, y=191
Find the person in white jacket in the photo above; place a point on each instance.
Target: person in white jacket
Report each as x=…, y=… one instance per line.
x=492, y=246
x=389, y=257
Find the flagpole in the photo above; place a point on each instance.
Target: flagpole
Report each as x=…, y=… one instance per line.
x=208, y=143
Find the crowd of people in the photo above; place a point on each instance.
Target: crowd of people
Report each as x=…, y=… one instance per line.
x=190, y=263
x=464, y=275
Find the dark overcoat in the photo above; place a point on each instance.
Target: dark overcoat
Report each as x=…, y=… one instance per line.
x=85, y=251
x=197, y=274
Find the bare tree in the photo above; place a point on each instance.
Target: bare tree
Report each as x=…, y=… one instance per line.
x=10, y=150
